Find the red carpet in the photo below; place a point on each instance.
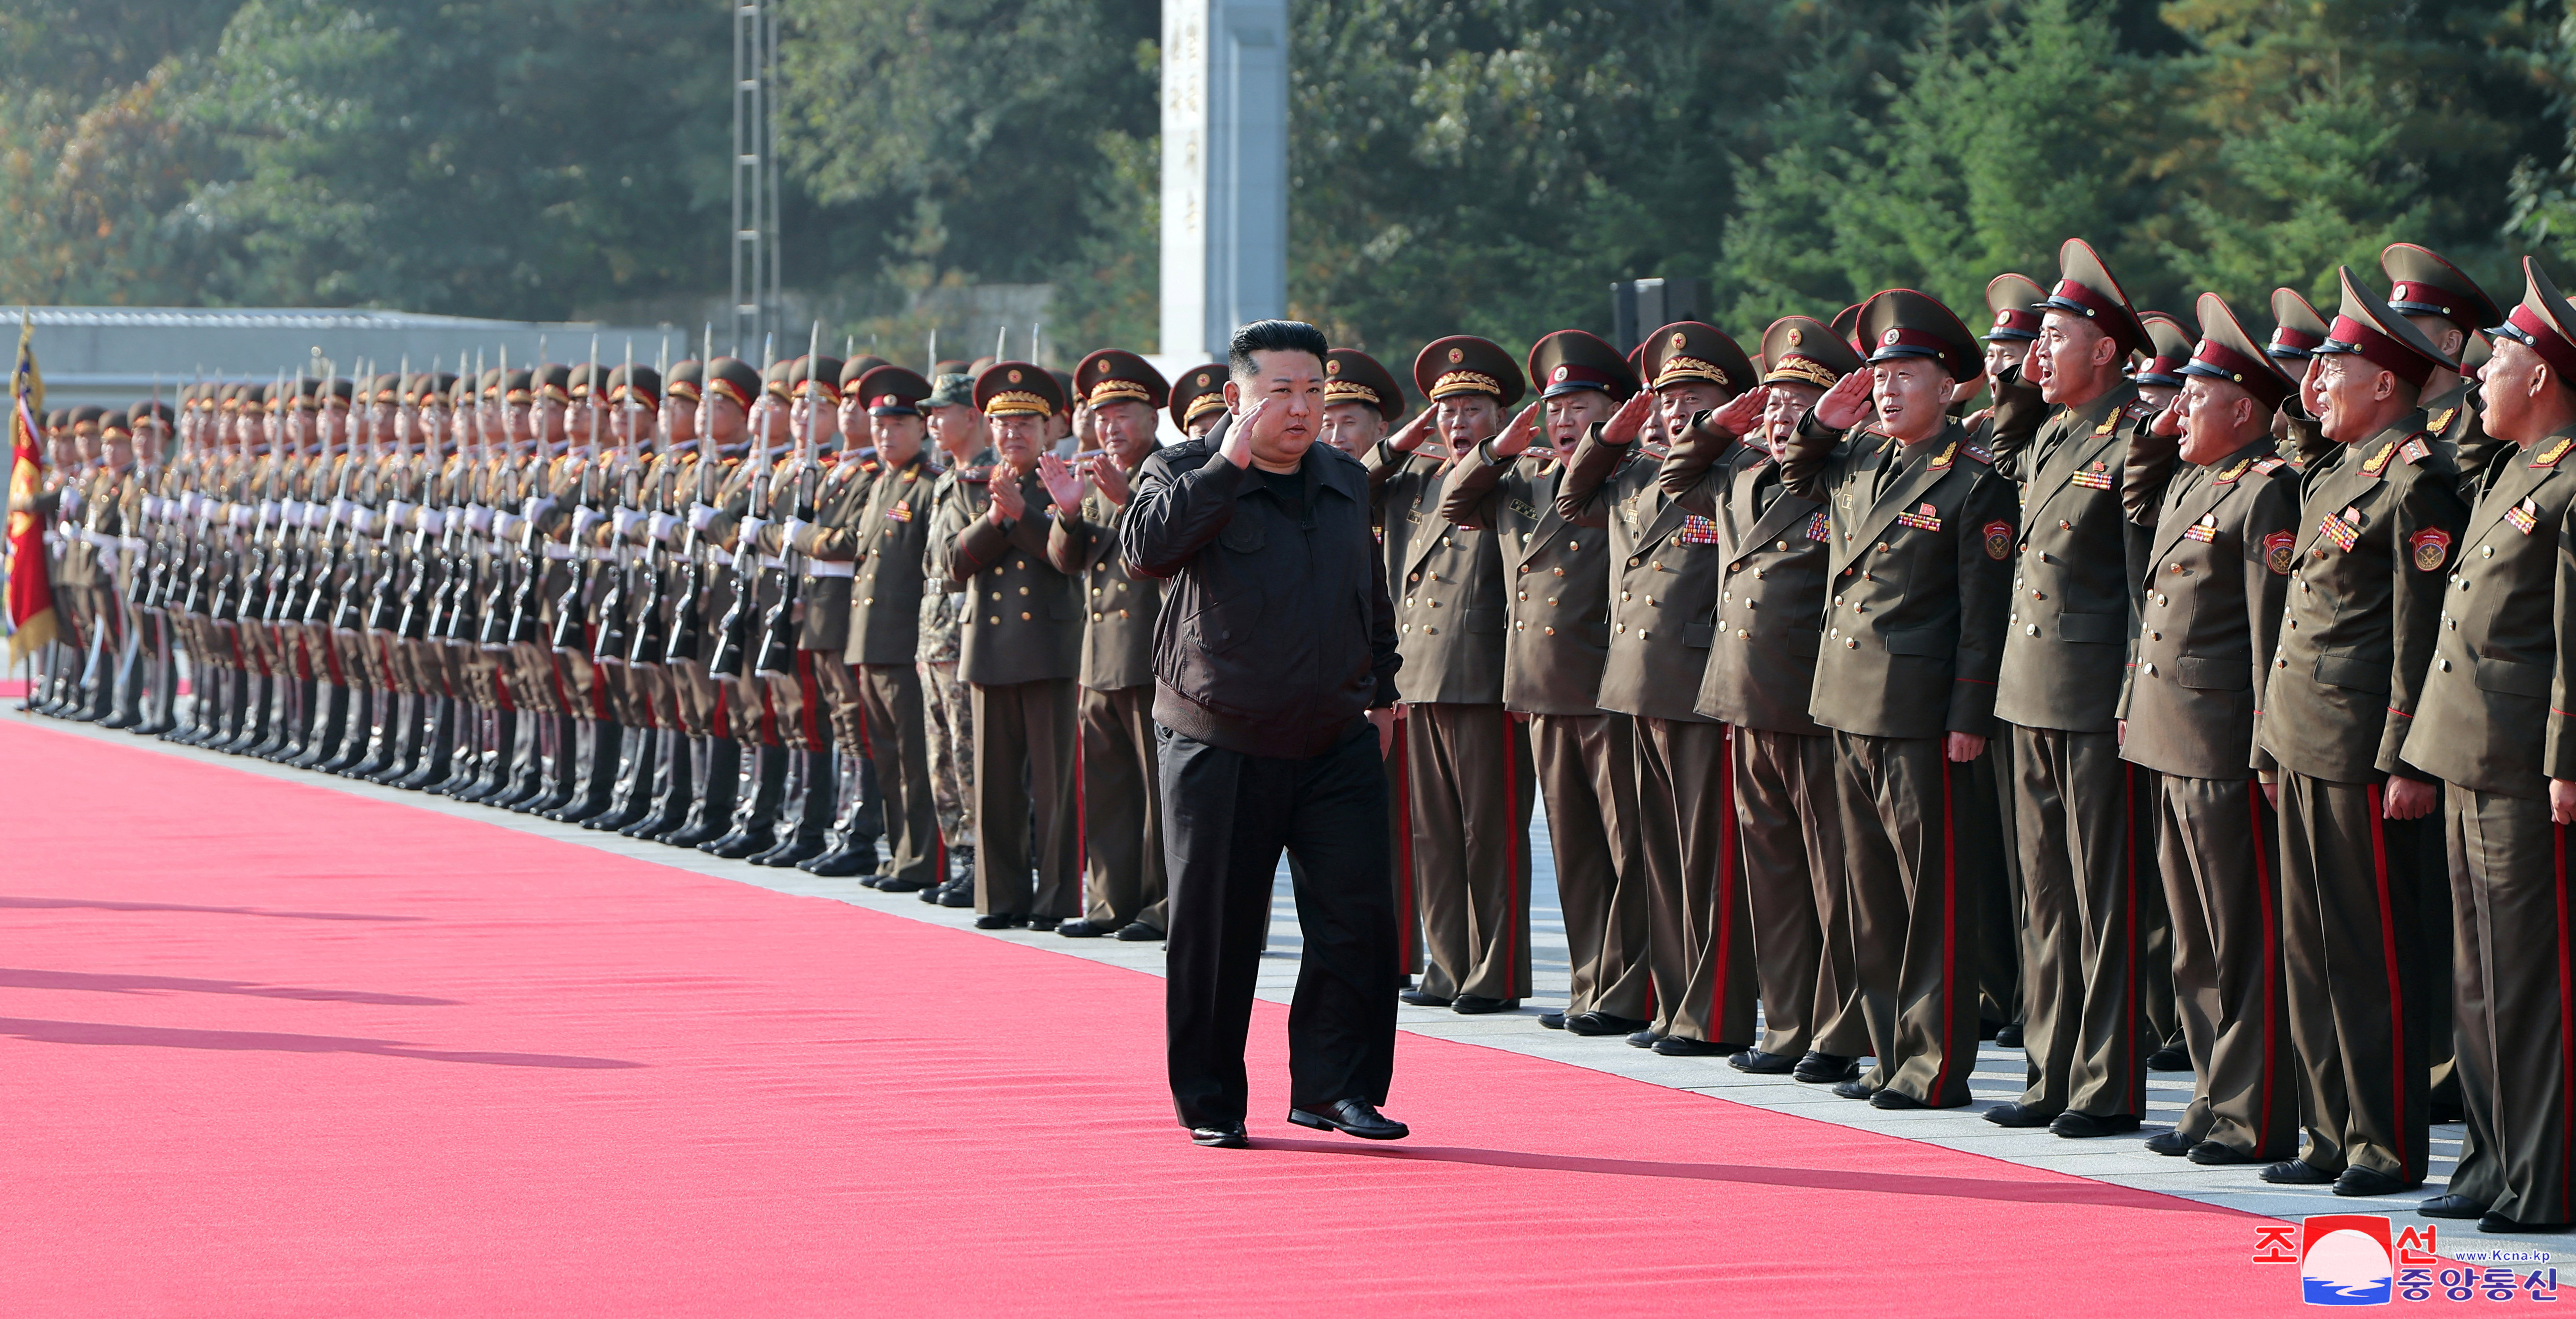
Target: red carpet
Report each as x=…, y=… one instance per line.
x=270, y=1049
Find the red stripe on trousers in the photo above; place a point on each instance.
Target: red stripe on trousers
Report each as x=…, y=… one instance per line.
x=1512, y=844
x=809, y=696
x=2129, y=1014
x=1727, y=877
x=2566, y=1023
x=1949, y=933
x=1410, y=927
x=2269, y=886
x=2396, y=987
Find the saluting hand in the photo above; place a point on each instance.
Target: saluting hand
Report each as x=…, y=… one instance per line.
x=1739, y=413
x=1062, y=485
x=1624, y=425
x=1846, y=404
x=2168, y=422
x=1415, y=432
x=1515, y=439
x=1237, y=448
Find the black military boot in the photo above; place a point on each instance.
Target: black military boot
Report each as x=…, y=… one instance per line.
x=808, y=816
x=630, y=794
x=430, y=733
x=259, y=705
x=715, y=764
x=394, y=746
x=849, y=848
x=524, y=778
x=495, y=733
x=286, y=718
x=560, y=741
x=125, y=689
x=755, y=815
x=600, y=763
x=667, y=784
x=362, y=707
x=334, y=708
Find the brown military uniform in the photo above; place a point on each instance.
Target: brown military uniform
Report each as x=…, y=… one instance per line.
x=1118, y=791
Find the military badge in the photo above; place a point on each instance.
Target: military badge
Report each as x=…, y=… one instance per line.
x=2378, y=462
x=1999, y=541
x=1949, y=451
x=2280, y=549
x=2442, y=421
x=2109, y=424
x=2525, y=516
x=2204, y=531
x=900, y=512
x=1820, y=527
x=1926, y=518
x=1696, y=530
x=2414, y=451
x=2343, y=530
x=2097, y=479
x=1979, y=452
x=2431, y=548
x=2271, y=465
x=2551, y=452
x=2229, y=475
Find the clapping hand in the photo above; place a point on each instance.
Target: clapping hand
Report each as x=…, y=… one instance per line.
x=1063, y=484
x=1004, y=485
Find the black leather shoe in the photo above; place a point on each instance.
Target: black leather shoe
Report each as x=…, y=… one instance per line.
x=892, y=884
x=1041, y=924
x=1139, y=932
x=2169, y=1059
x=2452, y=1206
x=1422, y=1000
x=1891, y=1097
x=1228, y=1137
x=997, y=921
x=1682, y=1046
x=1552, y=1020
x=2009, y=1037
x=1084, y=930
x=963, y=895
x=2217, y=1153
x=2371, y=1181
x=2500, y=1223
x=2018, y=1114
x=2295, y=1172
x=1476, y=1005
x=1351, y=1117
x=1855, y=1088
x=1603, y=1023
x=1988, y=1028
x=1762, y=1064
x=835, y=865
x=1644, y=1039
x=2169, y=1144
x=2084, y=1126
x=1820, y=1068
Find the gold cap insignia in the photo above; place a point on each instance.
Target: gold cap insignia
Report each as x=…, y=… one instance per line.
x=1562, y=373
x=1797, y=337
x=1013, y=377
x=1457, y=355
x=1331, y=368
x=1681, y=340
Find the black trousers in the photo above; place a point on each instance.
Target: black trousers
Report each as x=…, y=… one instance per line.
x=1226, y=818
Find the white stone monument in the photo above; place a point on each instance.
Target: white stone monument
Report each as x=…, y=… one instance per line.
x=1225, y=173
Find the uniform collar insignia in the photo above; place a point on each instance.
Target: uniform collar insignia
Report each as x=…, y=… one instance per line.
x=2551, y=452
x=2442, y=419
x=2378, y=462
x=1948, y=452
x=2233, y=470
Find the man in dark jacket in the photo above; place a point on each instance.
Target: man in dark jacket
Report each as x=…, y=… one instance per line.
x=1274, y=666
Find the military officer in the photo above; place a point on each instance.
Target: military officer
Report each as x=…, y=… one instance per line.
x=1118, y=794
x=1666, y=574
x=1918, y=589
x=2382, y=514
x=1761, y=669
x=1467, y=766
x=1019, y=651
x=965, y=452
x=2450, y=309
x=2065, y=646
x=1559, y=577
x=1198, y=402
x=1362, y=401
x=2493, y=724
x=2014, y=302
x=2216, y=570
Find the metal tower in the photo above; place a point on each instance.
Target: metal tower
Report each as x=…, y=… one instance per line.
x=755, y=173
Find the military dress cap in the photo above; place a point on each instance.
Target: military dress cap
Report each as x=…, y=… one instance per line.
x=2421, y=283
x=1018, y=389
x=2542, y=321
x=981, y=365
x=1114, y=375
x=306, y=396
x=2297, y=329
x=733, y=378
x=1569, y=360
x=2379, y=335
x=773, y=377
x=1693, y=352
x=2015, y=301
x=1202, y=391
x=640, y=383
x=1064, y=382
x=2226, y=352
x=857, y=367
x=552, y=381
x=113, y=425
x=386, y=388
x=464, y=394
x=2172, y=348
x=892, y=391
x=951, y=389
x=85, y=418
x=951, y=366
x=1847, y=324
x=582, y=379
x=1351, y=376
x=687, y=380
x=1801, y=350
x=337, y=392
x=2085, y=288
x=153, y=410
x=825, y=371
x=1902, y=323
x=1464, y=364
x=430, y=387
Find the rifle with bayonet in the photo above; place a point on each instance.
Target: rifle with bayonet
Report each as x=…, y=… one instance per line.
x=777, y=653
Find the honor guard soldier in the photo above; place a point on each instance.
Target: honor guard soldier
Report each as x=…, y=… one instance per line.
x=887, y=542
x=2217, y=567
x=1467, y=766
x=1117, y=793
x=832, y=506
x=1666, y=573
x=718, y=492
x=2493, y=724
x=2381, y=516
x=1019, y=650
x=805, y=628
x=2451, y=310
x=1918, y=589
x=1198, y=402
x=1559, y=579
x=2065, y=648
x=1761, y=672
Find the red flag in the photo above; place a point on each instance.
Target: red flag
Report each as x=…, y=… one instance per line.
x=31, y=585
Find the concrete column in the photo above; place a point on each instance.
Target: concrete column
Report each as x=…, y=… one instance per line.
x=1225, y=172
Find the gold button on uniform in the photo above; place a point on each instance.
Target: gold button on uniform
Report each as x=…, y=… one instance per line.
x=1024, y=615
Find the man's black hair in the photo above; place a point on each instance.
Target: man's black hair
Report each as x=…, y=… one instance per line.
x=1272, y=337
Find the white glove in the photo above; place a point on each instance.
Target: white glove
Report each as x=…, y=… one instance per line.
x=537, y=506
x=750, y=527
x=398, y=513
x=795, y=527
x=661, y=527
x=432, y=521
x=317, y=515
x=700, y=515
x=151, y=508
x=344, y=510
x=478, y=517
x=621, y=523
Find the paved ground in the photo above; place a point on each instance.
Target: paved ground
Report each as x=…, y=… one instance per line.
x=2120, y=1160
